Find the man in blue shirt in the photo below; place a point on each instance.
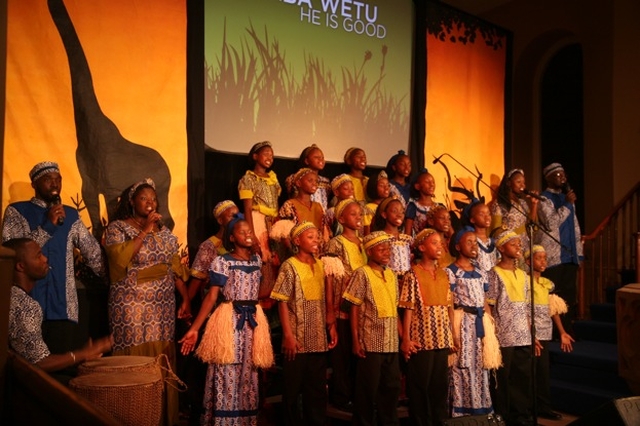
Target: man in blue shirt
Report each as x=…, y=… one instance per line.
x=558, y=214
x=57, y=229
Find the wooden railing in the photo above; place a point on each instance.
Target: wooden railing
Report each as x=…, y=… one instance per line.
x=611, y=252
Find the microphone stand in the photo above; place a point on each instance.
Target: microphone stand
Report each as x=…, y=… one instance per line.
x=534, y=386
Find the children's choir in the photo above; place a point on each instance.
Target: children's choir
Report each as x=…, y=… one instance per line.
x=361, y=271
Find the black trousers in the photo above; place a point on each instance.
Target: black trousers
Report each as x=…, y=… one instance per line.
x=306, y=375
x=342, y=365
x=543, y=379
x=565, y=278
x=513, y=394
x=377, y=388
x=427, y=386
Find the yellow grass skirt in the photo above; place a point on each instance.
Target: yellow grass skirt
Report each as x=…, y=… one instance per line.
x=218, y=343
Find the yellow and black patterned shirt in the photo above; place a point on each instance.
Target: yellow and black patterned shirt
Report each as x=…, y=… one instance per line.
x=376, y=294
x=301, y=286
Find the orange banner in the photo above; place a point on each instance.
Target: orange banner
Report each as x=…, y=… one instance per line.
x=101, y=91
x=465, y=112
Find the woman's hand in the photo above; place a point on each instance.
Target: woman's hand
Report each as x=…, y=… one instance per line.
x=188, y=341
x=151, y=221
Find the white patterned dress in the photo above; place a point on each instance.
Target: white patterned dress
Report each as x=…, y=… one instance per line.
x=469, y=381
x=231, y=390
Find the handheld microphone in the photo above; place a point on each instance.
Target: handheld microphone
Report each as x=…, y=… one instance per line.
x=565, y=188
x=57, y=200
x=438, y=158
x=531, y=194
x=160, y=224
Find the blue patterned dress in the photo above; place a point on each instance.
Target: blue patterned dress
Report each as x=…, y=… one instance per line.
x=469, y=381
x=142, y=302
x=231, y=390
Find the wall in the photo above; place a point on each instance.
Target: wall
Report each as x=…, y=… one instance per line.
x=609, y=40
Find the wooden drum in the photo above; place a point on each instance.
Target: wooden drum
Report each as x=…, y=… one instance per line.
x=131, y=397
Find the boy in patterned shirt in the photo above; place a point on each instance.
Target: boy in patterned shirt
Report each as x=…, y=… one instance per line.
x=300, y=291
x=373, y=292
x=509, y=300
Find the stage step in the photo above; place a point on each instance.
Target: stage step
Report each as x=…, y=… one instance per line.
x=596, y=331
x=605, y=312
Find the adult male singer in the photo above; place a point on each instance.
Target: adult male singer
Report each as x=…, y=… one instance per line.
x=558, y=214
x=58, y=230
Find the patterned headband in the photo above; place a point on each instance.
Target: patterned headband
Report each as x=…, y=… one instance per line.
x=221, y=207
x=505, y=237
x=383, y=205
x=134, y=188
x=375, y=238
x=423, y=235
x=348, y=153
x=536, y=249
x=300, y=228
x=301, y=173
x=257, y=147
x=513, y=172
x=339, y=180
x=342, y=205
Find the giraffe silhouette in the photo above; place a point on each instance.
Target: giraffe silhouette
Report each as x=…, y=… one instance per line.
x=108, y=163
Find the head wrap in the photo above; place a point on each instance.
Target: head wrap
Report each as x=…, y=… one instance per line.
x=423, y=235
x=552, y=168
x=466, y=212
x=375, y=238
x=348, y=153
x=258, y=146
x=394, y=158
x=301, y=173
x=505, y=237
x=460, y=233
x=135, y=186
x=297, y=230
x=513, y=172
x=339, y=180
x=339, y=208
x=236, y=218
x=221, y=207
x=42, y=169
x=536, y=249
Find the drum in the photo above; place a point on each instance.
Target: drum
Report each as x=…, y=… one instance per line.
x=131, y=397
x=121, y=364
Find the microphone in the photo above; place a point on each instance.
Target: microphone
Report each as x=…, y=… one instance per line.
x=436, y=159
x=160, y=224
x=56, y=200
x=531, y=194
x=565, y=188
